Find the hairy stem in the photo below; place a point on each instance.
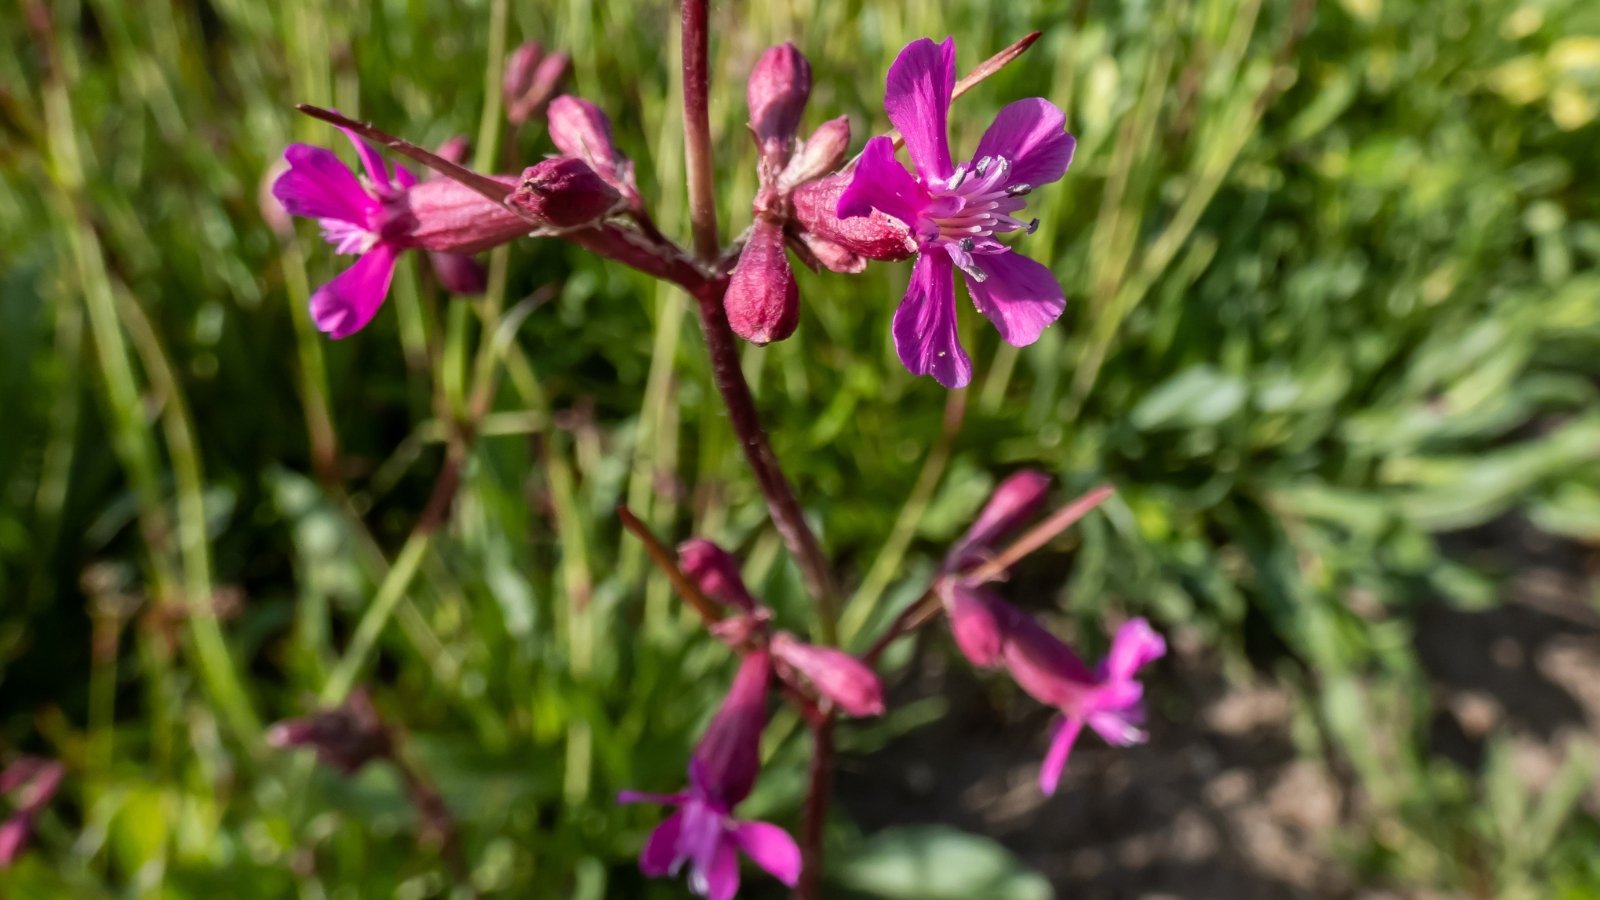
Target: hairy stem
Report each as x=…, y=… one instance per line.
x=697, y=129
x=785, y=509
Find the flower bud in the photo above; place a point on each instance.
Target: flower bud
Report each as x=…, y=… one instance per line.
x=841, y=679
x=578, y=128
x=458, y=273
x=455, y=149
x=975, y=614
x=1017, y=499
x=762, y=300
x=33, y=782
x=728, y=757
x=819, y=155
x=777, y=92
x=345, y=738
x=716, y=573
x=443, y=214
x=531, y=79
x=565, y=193
x=876, y=236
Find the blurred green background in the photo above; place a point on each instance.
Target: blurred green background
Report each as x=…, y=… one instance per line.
x=1333, y=296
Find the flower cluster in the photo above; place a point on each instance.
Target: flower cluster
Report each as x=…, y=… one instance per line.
x=993, y=633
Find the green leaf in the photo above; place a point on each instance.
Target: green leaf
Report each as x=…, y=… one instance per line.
x=935, y=862
x=1199, y=395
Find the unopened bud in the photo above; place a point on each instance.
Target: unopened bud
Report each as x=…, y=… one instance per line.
x=272, y=211
x=716, y=573
x=578, y=128
x=531, y=79
x=819, y=155
x=345, y=738
x=841, y=679
x=876, y=236
x=564, y=193
x=458, y=273
x=974, y=614
x=763, y=301
x=777, y=93
x=455, y=149
x=1017, y=499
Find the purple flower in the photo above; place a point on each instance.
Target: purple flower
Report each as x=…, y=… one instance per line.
x=1107, y=697
x=955, y=211
x=702, y=831
x=377, y=217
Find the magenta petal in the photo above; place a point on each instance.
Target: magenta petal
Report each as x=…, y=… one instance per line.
x=1020, y=296
x=925, y=324
x=1119, y=728
x=660, y=852
x=372, y=160
x=1031, y=135
x=881, y=183
x=1135, y=646
x=346, y=304
x=921, y=82
x=771, y=848
x=1055, y=762
x=319, y=186
x=719, y=881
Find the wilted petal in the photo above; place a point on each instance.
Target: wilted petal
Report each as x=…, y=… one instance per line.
x=1030, y=134
x=346, y=304
x=920, y=85
x=660, y=852
x=1055, y=761
x=1135, y=646
x=1020, y=296
x=318, y=185
x=771, y=848
x=881, y=183
x=925, y=324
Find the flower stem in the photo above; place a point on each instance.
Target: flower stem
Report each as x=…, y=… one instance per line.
x=814, y=826
x=785, y=509
x=697, y=129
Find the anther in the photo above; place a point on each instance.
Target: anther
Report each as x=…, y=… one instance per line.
x=1033, y=226
x=1017, y=190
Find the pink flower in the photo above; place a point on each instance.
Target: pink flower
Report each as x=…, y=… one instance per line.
x=34, y=781
x=955, y=211
x=702, y=832
x=378, y=217
x=1106, y=697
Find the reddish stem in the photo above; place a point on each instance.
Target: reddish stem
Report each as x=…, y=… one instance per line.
x=813, y=828
x=697, y=129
